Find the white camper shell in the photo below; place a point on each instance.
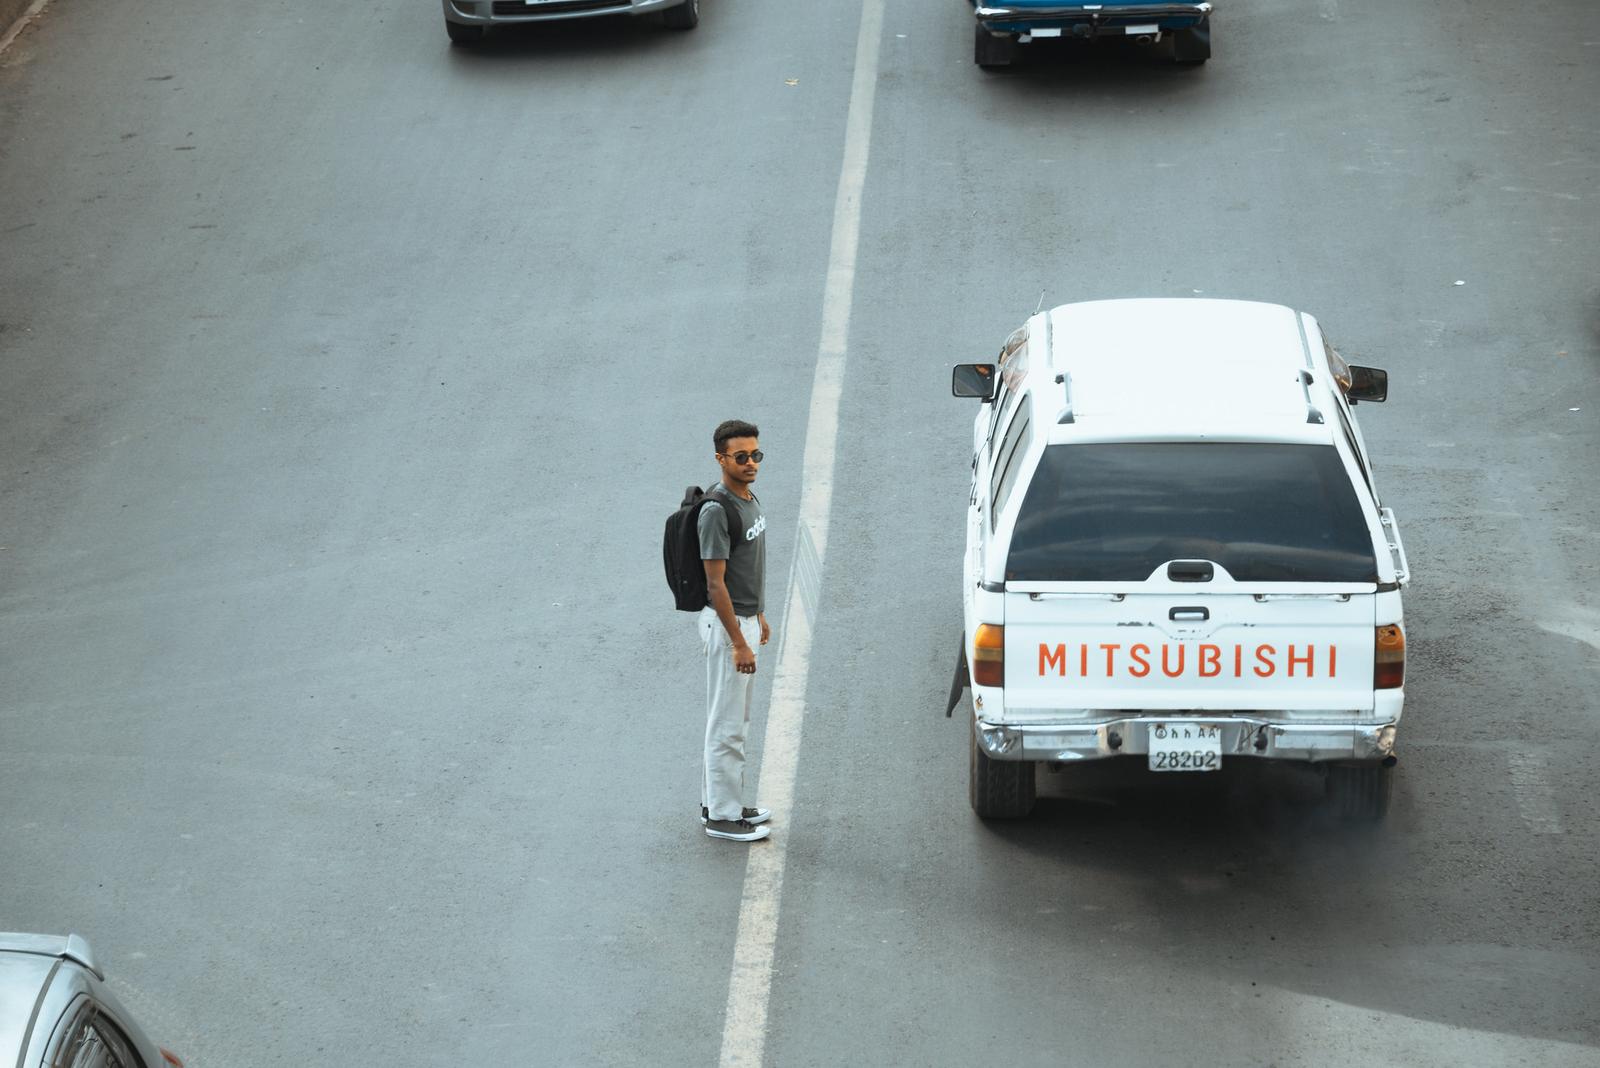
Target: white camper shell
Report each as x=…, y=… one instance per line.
x=1176, y=550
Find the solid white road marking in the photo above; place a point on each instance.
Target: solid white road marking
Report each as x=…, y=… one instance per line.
x=744, y=1027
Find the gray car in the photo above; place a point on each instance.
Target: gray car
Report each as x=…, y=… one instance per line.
x=55, y=1009
x=467, y=21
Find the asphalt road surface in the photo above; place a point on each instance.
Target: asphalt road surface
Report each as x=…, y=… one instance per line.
x=346, y=379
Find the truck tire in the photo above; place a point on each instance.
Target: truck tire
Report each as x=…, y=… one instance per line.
x=991, y=52
x=686, y=16
x=1192, y=47
x=999, y=789
x=1359, y=793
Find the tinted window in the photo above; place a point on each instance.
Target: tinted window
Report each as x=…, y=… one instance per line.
x=1350, y=439
x=92, y=1041
x=1013, y=362
x=1264, y=512
x=1001, y=405
x=1008, y=460
x=89, y=1048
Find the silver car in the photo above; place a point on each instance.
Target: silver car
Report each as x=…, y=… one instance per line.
x=56, y=1011
x=467, y=21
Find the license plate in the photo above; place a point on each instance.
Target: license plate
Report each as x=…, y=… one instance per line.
x=1185, y=746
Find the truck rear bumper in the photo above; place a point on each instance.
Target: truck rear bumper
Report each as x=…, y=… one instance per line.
x=1241, y=736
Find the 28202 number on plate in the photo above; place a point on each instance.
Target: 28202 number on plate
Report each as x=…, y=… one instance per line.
x=1185, y=747
x=1188, y=760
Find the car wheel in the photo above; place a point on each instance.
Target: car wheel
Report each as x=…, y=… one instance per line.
x=686, y=16
x=999, y=789
x=991, y=52
x=1192, y=46
x=1359, y=793
x=463, y=34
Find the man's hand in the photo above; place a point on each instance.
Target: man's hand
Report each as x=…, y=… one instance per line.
x=766, y=631
x=744, y=659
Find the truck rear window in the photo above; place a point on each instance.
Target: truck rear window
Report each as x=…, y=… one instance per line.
x=1264, y=512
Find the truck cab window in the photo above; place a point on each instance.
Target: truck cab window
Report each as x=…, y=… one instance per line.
x=1008, y=460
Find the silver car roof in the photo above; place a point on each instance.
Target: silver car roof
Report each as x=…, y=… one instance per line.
x=26, y=961
x=71, y=946
x=22, y=979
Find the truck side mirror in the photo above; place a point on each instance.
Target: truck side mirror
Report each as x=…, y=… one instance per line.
x=1368, y=384
x=973, y=380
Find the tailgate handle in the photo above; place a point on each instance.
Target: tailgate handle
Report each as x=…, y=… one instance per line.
x=1195, y=614
x=1190, y=571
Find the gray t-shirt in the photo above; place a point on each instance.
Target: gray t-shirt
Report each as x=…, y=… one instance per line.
x=746, y=575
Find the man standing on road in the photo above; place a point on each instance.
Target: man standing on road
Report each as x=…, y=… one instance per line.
x=732, y=626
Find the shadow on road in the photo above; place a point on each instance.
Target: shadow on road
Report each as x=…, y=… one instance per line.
x=1246, y=878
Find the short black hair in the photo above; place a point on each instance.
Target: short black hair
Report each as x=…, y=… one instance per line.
x=733, y=428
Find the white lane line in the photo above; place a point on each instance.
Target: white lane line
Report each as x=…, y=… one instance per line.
x=744, y=1026
x=1530, y=780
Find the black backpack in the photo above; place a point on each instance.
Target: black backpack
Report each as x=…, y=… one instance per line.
x=680, y=549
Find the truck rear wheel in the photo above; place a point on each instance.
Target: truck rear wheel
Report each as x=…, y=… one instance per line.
x=999, y=789
x=1359, y=793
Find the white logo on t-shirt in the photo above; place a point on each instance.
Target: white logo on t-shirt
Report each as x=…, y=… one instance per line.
x=755, y=532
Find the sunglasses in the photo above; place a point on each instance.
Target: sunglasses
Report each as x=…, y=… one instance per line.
x=741, y=456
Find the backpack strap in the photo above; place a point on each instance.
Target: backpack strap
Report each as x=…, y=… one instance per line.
x=735, y=535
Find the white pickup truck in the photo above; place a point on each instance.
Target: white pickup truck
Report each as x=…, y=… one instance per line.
x=1176, y=551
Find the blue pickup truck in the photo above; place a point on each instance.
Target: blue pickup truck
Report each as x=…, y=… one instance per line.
x=1181, y=30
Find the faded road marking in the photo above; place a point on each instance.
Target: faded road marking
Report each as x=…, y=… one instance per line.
x=1581, y=625
x=9, y=35
x=1530, y=779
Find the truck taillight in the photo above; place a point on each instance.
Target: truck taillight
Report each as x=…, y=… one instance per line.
x=989, y=655
x=1389, y=659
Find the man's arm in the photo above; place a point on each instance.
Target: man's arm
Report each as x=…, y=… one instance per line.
x=744, y=658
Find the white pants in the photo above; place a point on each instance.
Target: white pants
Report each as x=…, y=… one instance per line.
x=727, y=714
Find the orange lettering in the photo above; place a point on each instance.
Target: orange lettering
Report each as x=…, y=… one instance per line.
x=1309, y=660
x=1141, y=666
x=1210, y=658
x=1083, y=661
x=1111, y=653
x=1263, y=653
x=1167, y=671
x=1333, y=661
x=1056, y=658
x=1238, y=660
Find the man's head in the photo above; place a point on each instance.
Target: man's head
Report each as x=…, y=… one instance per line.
x=738, y=450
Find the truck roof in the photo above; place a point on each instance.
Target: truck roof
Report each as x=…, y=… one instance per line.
x=1187, y=368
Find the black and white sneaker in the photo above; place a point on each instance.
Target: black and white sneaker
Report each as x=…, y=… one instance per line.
x=749, y=815
x=736, y=830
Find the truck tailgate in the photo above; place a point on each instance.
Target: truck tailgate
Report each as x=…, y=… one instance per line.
x=1188, y=650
